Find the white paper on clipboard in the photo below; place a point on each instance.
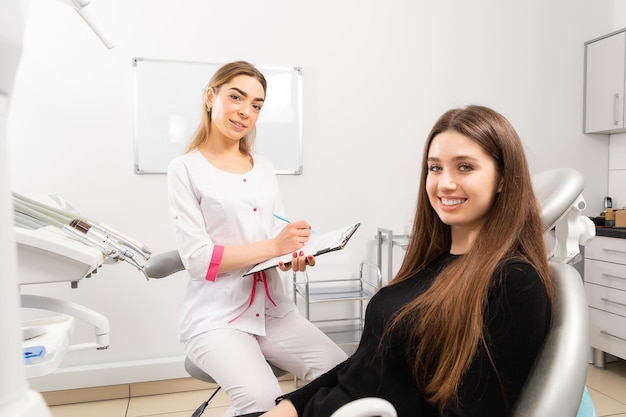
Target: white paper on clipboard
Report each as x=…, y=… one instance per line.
x=318, y=244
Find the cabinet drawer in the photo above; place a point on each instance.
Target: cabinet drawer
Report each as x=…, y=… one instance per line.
x=605, y=298
x=608, y=332
x=607, y=249
x=605, y=273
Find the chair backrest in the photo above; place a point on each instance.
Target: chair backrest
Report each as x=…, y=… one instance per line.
x=556, y=383
x=556, y=190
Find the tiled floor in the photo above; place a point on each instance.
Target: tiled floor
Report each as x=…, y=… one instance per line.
x=607, y=388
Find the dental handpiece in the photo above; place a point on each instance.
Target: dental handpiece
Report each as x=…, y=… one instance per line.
x=104, y=243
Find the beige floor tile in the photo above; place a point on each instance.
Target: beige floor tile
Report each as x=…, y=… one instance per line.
x=605, y=405
x=171, y=403
x=610, y=381
x=109, y=408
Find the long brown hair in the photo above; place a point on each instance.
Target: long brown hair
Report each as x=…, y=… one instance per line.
x=449, y=336
x=222, y=76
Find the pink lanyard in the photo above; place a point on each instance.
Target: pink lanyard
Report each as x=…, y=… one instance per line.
x=257, y=277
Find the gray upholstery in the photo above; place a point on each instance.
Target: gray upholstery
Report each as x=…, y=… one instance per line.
x=556, y=383
x=198, y=373
x=163, y=265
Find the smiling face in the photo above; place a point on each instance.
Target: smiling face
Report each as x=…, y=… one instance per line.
x=235, y=107
x=462, y=183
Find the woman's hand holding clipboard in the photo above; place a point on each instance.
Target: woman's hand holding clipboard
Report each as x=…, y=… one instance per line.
x=318, y=244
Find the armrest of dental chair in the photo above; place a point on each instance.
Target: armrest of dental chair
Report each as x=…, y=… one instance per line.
x=366, y=407
x=163, y=264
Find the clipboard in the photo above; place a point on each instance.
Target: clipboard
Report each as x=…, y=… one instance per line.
x=316, y=245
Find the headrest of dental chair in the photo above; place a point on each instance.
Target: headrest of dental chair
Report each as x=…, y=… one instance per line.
x=556, y=190
x=163, y=264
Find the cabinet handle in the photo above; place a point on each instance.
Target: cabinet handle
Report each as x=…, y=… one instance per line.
x=616, y=109
x=614, y=250
x=613, y=276
x=606, y=300
x=604, y=332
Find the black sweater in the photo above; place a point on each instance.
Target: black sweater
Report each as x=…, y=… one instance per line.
x=517, y=320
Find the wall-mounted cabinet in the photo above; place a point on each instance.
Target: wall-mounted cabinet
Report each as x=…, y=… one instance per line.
x=605, y=81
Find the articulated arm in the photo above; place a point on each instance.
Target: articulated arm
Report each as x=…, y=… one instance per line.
x=100, y=322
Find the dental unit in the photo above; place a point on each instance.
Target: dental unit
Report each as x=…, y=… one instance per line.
x=55, y=244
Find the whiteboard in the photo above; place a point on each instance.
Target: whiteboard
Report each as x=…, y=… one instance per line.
x=168, y=98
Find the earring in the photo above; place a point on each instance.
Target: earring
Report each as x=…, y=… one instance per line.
x=208, y=109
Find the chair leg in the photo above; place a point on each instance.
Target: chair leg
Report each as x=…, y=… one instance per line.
x=204, y=405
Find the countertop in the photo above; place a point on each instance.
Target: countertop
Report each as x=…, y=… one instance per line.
x=611, y=232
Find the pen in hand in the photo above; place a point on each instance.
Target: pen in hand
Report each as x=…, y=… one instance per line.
x=279, y=217
x=309, y=259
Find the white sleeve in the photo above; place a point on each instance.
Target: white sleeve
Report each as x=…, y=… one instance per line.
x=194, y=244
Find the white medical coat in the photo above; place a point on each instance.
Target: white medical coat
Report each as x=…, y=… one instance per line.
x=211, y=207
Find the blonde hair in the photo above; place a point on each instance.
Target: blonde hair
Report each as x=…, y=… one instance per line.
x=449, y=336
x=222, y=76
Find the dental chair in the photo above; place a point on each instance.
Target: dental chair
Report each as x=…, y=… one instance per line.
x=556, y=384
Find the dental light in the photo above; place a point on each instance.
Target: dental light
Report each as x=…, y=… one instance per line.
x=83, y=9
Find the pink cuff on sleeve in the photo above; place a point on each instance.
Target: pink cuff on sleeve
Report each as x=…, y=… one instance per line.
x=214, y=265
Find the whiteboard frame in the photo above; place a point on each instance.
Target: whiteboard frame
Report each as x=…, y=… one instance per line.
x=294, y=166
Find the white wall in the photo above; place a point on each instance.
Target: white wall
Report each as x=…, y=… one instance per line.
x=376, y=76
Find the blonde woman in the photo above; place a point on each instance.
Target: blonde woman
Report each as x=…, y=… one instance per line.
x=223, y=198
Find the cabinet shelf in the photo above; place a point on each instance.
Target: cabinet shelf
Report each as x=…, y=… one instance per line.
x=343, y=335
x=344, y=330
x=325, y=291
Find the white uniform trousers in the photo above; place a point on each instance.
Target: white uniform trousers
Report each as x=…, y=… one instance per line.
x=237, y=360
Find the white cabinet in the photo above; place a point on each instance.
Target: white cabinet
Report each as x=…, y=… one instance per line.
x=605, y=286
x=605, y=81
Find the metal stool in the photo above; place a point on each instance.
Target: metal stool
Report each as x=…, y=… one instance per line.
x=163, y=265
x=198, y=373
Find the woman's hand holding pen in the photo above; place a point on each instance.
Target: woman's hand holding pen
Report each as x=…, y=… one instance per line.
x=291, y=239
